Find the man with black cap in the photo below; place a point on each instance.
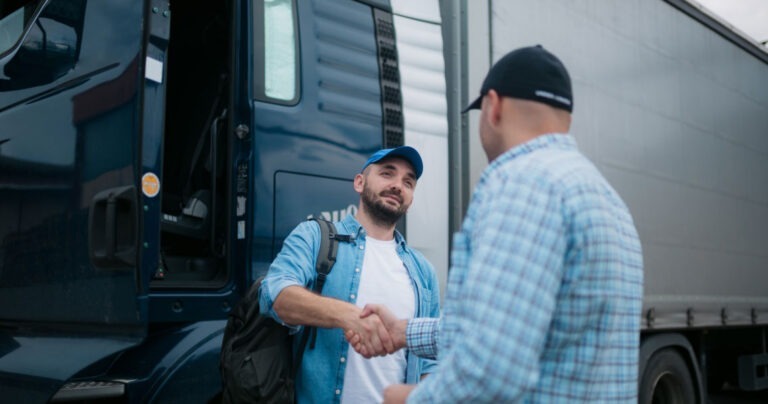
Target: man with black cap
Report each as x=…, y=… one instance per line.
x=377, y=266
x=544, y=293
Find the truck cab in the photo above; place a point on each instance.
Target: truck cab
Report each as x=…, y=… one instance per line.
x=153, y=156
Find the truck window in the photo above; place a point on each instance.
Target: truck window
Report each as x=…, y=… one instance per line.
x=276, y=51
x=11, y=28
x=13, y=19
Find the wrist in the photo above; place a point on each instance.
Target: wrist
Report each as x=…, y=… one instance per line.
x=348, y=316
x=399, y=334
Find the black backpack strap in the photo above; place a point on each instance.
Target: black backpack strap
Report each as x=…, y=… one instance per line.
x=326, y=258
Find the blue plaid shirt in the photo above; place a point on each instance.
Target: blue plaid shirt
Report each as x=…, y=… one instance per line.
x=545, y=291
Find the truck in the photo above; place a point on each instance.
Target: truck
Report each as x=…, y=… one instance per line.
x=671, y=103
x=153, y=156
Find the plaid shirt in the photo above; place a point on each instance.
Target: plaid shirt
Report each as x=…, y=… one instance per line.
x=545, y=291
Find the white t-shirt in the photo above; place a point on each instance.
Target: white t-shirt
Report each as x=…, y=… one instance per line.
x=383, y=280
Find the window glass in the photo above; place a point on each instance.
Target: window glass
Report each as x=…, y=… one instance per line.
x=12, y=26
x=276, y=64
x=279, y=50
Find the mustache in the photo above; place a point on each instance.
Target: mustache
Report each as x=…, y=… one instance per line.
x=392, y=193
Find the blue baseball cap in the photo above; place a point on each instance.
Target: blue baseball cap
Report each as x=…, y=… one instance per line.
x=406, y=152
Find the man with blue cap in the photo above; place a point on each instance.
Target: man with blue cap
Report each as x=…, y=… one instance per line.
x=376, y=267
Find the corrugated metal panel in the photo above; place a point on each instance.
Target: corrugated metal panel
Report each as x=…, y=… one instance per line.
x=420, y=48
x=428, y=11
x=346, y=62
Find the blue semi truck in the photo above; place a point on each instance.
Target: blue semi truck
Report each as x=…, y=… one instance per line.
x=154, y=155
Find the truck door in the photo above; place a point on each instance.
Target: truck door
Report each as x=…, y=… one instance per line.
x=72, y=79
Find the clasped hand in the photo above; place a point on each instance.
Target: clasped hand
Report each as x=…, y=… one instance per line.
x=377, y=332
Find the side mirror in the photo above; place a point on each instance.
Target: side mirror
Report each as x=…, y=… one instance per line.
x=48, y=51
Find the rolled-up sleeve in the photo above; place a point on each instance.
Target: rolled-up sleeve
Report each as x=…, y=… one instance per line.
x=421, y=337
x=428, y=362
x=293, y=266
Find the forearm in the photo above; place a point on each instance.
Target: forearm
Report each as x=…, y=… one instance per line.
x=473, y=370
x=298, y=306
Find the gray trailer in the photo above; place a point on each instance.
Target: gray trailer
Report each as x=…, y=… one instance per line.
x=672, y=105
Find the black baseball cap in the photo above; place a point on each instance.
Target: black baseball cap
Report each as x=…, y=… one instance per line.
x=530, y=73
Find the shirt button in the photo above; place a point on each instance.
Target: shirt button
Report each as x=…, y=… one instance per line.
x=352, y=296
x=362, y=247
x=342, y=360
x=357, y=269
x=338, y=392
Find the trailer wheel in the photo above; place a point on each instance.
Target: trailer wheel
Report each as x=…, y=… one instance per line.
x=666, y=379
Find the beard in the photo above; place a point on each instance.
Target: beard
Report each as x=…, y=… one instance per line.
x=380, y=212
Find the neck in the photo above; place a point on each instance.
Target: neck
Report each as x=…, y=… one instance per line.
x=372, y=227
x=530, y=120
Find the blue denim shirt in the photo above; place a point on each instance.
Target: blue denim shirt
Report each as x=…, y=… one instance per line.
x=321, y=377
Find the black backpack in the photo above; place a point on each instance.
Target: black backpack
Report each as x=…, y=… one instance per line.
x=256, y=363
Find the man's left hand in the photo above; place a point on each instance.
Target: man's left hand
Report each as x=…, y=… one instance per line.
x=397, y=393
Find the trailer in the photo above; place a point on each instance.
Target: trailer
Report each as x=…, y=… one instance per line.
x=672, y=106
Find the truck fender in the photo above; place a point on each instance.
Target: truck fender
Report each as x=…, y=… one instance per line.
x=193, y=376
x=656, y=342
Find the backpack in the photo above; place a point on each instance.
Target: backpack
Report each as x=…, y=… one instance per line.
x=256, y=363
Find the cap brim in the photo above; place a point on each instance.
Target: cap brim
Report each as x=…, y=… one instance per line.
x=476, y=104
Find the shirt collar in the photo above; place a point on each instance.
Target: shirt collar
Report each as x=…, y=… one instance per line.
x=356, y=230
x=550, y=140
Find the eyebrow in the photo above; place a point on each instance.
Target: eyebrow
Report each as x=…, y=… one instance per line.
x=390, y=166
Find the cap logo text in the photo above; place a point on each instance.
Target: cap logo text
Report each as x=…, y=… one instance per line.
x=558, y=98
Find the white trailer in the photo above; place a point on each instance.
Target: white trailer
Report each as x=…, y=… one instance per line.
x=672, y=105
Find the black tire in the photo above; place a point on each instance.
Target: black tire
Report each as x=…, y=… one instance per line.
x=667, y=380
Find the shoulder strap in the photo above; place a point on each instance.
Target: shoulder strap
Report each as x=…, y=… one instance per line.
x=326, y=255
x=326, y=258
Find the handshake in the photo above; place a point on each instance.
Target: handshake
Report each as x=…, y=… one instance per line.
x=375, y=331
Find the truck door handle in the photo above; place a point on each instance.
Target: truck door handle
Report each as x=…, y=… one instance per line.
x=112, y=228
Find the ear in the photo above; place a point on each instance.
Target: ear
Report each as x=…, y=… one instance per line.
x=358, y=183
x=492, y=103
